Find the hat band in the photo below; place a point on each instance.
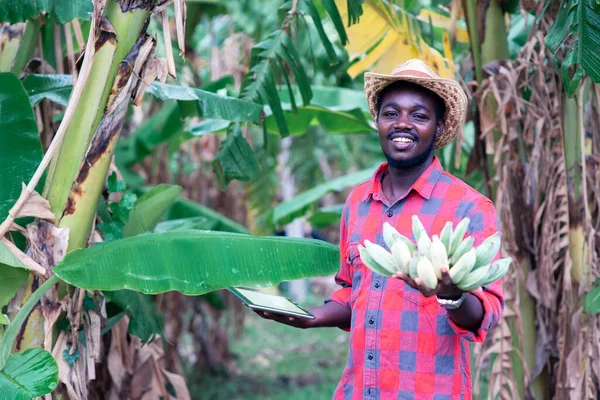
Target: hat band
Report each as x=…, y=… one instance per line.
x=413, y=72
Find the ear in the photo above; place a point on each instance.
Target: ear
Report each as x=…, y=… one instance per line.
x=441, y=125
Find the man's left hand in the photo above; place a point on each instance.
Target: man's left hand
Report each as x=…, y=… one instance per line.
x=444, y=289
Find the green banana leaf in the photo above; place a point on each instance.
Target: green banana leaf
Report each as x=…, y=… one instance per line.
x=235, y=159
x=196, y=262
x=207, y=104
x=14, y=11
x=339, y=122
x=199, y=223
x=579, y=19
x=145, y=321
x=183, y=208
x=591, y=302
x=56, y=88
x=149, y=209
x=27, y=375
x=300, y=204
x=326, y=216
x=21, y=150
x=13, y=275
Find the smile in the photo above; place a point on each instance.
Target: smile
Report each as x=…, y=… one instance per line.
x=402, y=140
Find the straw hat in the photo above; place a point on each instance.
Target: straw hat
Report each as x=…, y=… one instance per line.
x=418, y=72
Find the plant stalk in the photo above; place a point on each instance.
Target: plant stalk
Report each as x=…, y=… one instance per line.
x=27, y=46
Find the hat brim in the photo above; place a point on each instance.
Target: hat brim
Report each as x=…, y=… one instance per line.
x=449, y=91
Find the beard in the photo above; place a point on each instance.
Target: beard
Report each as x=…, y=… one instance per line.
x=411, y=162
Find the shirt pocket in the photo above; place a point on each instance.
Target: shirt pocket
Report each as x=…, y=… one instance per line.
x=358, y=272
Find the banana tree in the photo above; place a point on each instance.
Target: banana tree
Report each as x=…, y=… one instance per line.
x=120, y=57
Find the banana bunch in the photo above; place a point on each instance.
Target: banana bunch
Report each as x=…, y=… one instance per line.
x=470, y=267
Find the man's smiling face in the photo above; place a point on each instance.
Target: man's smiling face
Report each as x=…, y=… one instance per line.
x=408, y=121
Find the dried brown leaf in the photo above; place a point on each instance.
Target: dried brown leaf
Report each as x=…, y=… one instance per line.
x=24, y=258
x=35, y=206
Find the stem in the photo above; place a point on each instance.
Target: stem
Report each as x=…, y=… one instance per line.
x=6, y=343
x=10, y=41
x=27, y=47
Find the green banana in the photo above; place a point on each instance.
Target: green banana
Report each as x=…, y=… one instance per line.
x=370, y=263
x=381, y=256
x=488, y=249
x=501, y=267
x=424, y=246
x=458, y=234
x=461, y=270
x=401, y=255
x=390, y=235
x=446, y=235
x=418, y=228
x=473, y=279
x=412, y=267
x=462, y=249
x=426, y=273
x=439, y=256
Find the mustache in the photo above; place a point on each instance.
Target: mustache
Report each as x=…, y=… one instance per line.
x=394, y=131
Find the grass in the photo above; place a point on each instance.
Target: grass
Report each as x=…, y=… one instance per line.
x=279, y=362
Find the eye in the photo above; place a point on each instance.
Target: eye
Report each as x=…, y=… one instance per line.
x=420, y=116
x=389, y=114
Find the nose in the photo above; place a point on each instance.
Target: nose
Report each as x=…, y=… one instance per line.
x=403, y=123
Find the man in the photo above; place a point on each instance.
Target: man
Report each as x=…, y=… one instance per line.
x=407, y=341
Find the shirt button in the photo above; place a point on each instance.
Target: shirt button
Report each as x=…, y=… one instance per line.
x=370, y=356
x=371, y=322
x=389, y=214
x=377, y=284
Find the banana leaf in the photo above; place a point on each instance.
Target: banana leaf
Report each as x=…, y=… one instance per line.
x=183, y=208
x=300, y=204
x=326, y=216
x=149, y=209
x=14, y=11
x=591, y=301
x=579, y=19
x=13, y=275
x=21, y=150
x=196, y=262
x=27, y=375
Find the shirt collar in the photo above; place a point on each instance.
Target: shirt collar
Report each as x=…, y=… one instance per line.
x=423, y=185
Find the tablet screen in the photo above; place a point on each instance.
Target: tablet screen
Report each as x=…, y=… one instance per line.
x=269, y=301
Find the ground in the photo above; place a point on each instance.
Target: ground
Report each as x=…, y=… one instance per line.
x=278, y=362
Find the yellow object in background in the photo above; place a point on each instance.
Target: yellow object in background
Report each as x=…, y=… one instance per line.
x=385, y=38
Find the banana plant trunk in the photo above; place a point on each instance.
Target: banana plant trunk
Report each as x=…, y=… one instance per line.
x=116, y=56
x=488, y=44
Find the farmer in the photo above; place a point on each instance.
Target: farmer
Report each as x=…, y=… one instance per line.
x=408, y=341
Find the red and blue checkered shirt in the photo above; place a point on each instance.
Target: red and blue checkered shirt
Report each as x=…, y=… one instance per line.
x=402, y=344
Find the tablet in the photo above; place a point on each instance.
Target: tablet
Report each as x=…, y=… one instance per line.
x=270, y=303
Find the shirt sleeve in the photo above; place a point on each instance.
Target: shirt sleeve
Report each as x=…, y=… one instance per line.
x=343, y=277
x=484, y=223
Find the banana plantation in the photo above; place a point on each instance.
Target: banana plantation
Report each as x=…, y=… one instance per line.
x=156, y=152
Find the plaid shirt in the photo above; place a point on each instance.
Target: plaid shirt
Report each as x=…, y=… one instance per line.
x=402, y=344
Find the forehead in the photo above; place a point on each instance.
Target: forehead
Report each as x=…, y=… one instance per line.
x=407, y=94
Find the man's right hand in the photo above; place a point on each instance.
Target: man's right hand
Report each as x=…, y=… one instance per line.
x=331, y=314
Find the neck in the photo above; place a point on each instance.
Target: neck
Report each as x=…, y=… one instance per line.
x=399, y=180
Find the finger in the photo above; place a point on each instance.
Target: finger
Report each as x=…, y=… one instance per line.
x=446, y=279
x=477, y=290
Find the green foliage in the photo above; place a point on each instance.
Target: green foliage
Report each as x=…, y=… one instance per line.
x=300, y=204
x=207, y=104
x=578, y=19
x=235, y=159
x=21, y=151
x=7, y=341
x=326, y=216
x=591, y=301
x=30, y=374
x=13, y=275
x=196, y=262
x=149, y=209
x=56, y=88
x=269, y=60
x=183, y=208
x=145, y=321
x=14, y=11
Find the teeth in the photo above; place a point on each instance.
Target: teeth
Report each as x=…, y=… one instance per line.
x=403, y=140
